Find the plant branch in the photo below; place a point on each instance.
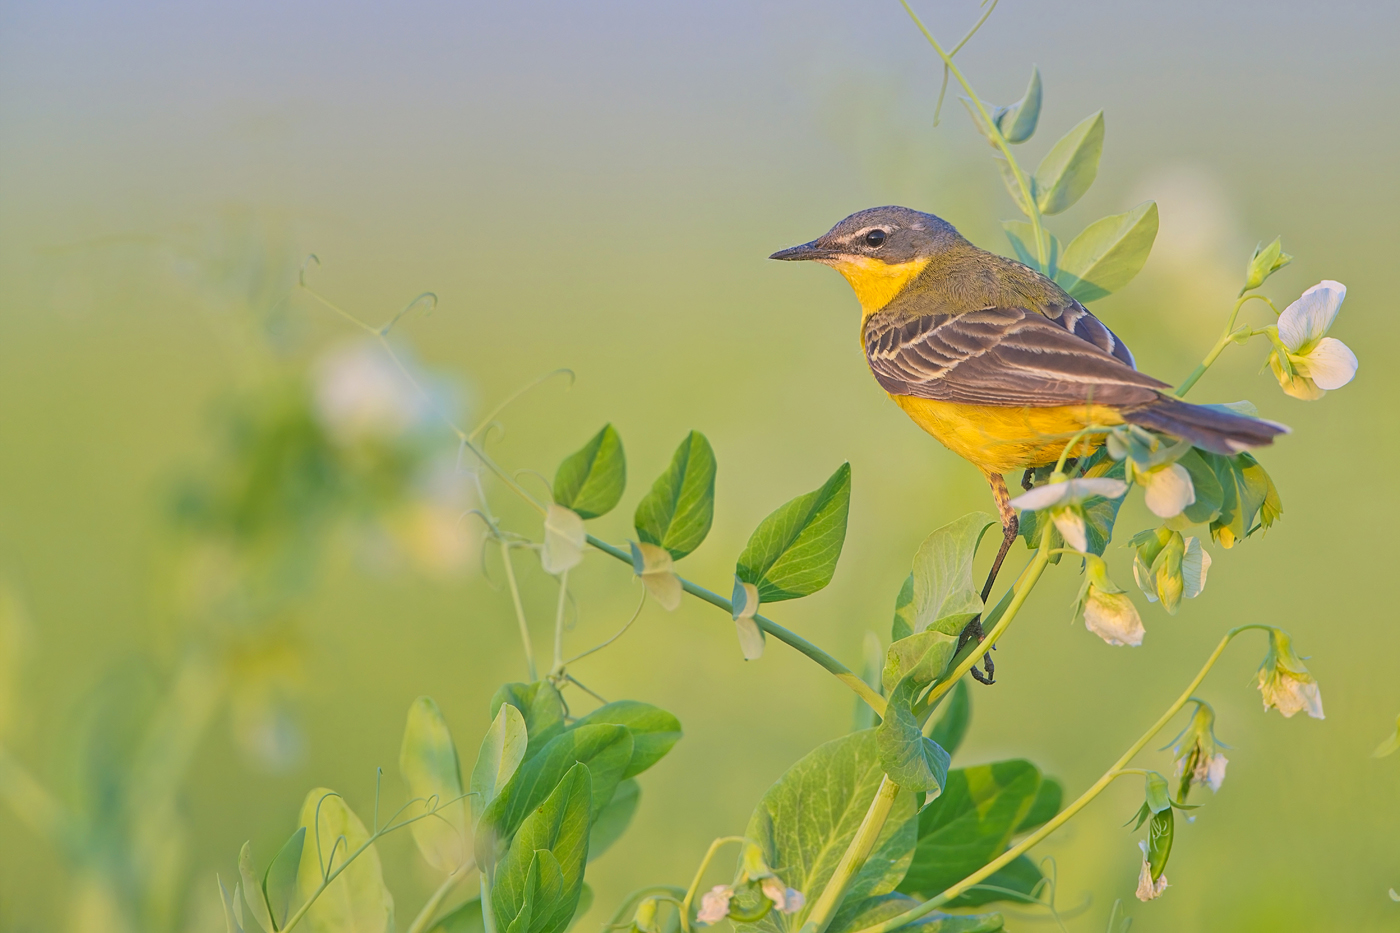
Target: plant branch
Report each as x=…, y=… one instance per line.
x=1116, y=770
x=425, y=916
x=842, y=673
x=519, y=609
x=1031, y=209
x=1227, y=336
x=854, y=858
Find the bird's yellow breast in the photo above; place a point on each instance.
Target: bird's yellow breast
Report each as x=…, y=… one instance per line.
x=1000, y=440
x=876, y=283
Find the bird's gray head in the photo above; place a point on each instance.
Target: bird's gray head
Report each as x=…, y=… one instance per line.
x=888, y=235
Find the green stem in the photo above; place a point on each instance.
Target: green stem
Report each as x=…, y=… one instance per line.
x=1031, y=209
x=842, y=673
x=519, y=610
x=425, y=916
x=854, y=858
x=1020, y=592
x=559, y=621
x=1227, y=336
x=694, y=888
x=488, y=914
x=1115, y=771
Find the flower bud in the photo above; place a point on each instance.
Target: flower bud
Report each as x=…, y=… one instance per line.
x=1265, y=262
x=1284, y=680
x=1168, y=567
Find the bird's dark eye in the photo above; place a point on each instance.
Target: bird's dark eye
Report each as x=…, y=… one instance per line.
x=875, y=239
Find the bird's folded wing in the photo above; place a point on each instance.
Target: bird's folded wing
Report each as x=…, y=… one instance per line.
x=1005, y=357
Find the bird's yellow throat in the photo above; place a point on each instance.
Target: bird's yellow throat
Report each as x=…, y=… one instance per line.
x=876, y=283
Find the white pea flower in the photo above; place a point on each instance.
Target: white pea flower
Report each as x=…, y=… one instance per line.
x=1108, y=611
x=1197, y=752
x=1168, y=489
x=1063, y=499
x=1147, y=889
x=787, y=900
x=360, y=394
x=1306, y=362
x=714, y=905
x=1285, y=682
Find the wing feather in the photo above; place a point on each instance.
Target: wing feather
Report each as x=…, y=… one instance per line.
x=1006, y=357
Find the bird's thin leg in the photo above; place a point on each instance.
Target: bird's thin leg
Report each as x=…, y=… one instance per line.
x=1028, y=480
x=1010, y=527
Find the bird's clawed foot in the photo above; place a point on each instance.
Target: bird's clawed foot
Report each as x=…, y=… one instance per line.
x=973, y=632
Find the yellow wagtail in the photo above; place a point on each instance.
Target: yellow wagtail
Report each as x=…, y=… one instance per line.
x=994, y=359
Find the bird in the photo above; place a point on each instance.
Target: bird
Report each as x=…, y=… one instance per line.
x=996, y=360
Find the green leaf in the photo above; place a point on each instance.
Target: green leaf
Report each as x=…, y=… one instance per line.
x=605, y=748
x=654, y=731
x=252, y=892
x=945, y=597
x=502, y=751
x=807, y=819
x=1020, y=876
x=1070, y=166
x=465, y=918
x=233, y=910
x=538, y=882
x=541, y=706
x=279, y=884
x=1209, y=494
x=591, y=480
x=677, y=512
x=613, y=821
x=429, y=766
x=357, y=900
x=867, y=913
x=1046, y=804
x=1108, y=253
x=1017, y=122
x=1022, y=237
x=951, y=727
x=793, y=552
x=920, y=658
x=911, y=759
x=970, y=823
x=903, y=625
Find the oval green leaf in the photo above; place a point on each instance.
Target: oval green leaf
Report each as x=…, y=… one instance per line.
x=1069, y=168
x=357, y=900
x=806, y=821
x=970, y=823
x=541, y=706
x=590, y=481
x=677, y=512
x=429, y=766
x=279, y=884
x=794, y=551
x=945, y=595
x=1018, y=121
x=654, y=731
x=502, y=751
x=1022, y=237
x=911, y=759
x=539, y=881
x=1108, y=253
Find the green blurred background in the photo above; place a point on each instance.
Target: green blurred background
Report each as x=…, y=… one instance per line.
x=596, y=187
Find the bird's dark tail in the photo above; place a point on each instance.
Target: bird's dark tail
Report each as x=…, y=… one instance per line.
x=1213, y=429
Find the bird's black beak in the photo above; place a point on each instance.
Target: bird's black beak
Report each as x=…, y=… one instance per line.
x=807, y=251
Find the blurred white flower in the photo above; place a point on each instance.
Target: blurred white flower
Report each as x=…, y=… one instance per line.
x=1308, y=363
x=1063, y=498
x=787, y=900
x=564, y=538
x=361, y=394
x=1284, y=680
x=657, y=570
x=714, y=905
x=1147, y=889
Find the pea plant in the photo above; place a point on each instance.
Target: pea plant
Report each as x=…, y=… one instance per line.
x=875, y=831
